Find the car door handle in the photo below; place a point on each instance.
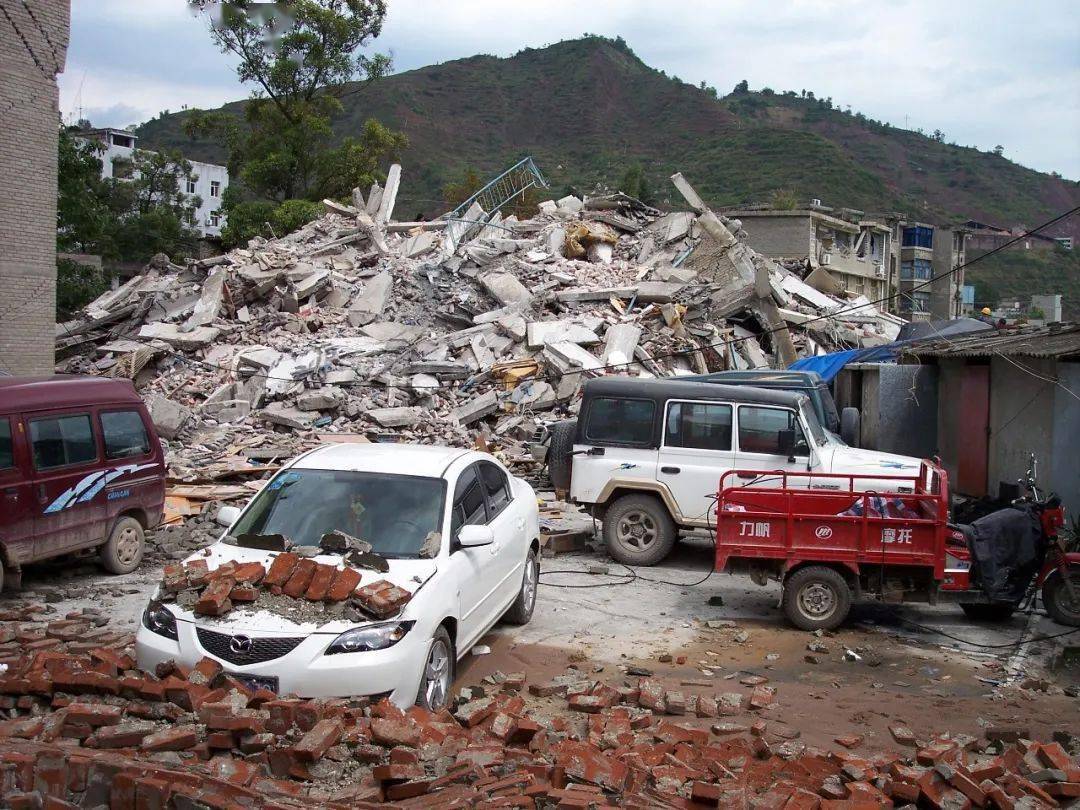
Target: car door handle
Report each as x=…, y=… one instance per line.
x=670, y=470
x=43, y=494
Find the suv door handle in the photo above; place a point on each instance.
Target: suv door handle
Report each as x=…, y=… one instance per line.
x=11, y=491
x=670, y=470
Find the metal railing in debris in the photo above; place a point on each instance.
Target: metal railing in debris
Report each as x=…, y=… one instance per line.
x=513, y=182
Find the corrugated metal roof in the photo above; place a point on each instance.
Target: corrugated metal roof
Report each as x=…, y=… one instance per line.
x=1058, y=341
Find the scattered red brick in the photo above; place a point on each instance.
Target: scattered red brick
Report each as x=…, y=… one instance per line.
x=382, y=599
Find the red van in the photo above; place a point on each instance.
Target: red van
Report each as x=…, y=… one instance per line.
x=80, y=468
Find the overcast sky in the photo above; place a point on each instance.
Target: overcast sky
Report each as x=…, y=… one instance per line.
x=985, y=72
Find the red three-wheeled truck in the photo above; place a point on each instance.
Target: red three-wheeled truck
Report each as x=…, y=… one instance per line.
x=855, y=539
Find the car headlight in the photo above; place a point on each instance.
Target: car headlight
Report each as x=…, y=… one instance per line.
x=157, y=619
x=365, y=639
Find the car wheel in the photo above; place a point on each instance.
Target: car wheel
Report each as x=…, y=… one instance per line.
x=1061, y=608
x=638, y=530
x=123, y=551
x=559, y=458
x=438, y=673
x=816, y=598
x=522, y=610
x=979, y=612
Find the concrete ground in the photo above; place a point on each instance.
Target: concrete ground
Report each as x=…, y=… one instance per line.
x=603, y=624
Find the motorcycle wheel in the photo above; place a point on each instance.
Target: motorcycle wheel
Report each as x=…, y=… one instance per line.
x=1056, y=599
x=988, y=613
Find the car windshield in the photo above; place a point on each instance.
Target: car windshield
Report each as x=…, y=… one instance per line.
x=394, y=513
x=818, y=432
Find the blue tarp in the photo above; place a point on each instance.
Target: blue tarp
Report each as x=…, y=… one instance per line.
x=829, y=365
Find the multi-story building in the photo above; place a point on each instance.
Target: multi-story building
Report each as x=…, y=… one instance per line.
x=33, y=49
x=852, y=248
x=929, y=285
x=208, y=183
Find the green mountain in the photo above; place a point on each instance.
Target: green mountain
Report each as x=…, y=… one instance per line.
x=586, y=109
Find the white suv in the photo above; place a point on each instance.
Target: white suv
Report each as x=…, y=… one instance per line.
x=453, y=528
x=647, y=455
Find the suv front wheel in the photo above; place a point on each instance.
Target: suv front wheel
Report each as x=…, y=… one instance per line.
x=638, y=530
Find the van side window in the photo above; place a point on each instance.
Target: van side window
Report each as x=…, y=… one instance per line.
x=62, y=441
x=7, y=449
x=498, y=488
x=620, y=421
x=759, y=429
x=469, y=508
x=698, y=425
x=124, y=434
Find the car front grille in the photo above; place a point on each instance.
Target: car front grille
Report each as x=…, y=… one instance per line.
x=240, y=649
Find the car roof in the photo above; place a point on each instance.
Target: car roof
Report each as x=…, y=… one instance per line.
x=383, y=457
x=669, y=388
x=63, y=391
x=763, y=378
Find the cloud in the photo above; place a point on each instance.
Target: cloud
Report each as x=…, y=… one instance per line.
x=983, y=71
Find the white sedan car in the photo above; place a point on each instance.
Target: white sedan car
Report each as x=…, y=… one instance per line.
x=482, y=564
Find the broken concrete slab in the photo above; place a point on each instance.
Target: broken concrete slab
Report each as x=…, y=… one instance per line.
x=620, y=342
x=198, y=338
x=168, y=417
x=371, y=302
x=506, y=289
x=477, y=408
x=209, y=304
x=278, y=413
x=327, y=398
x=397, y=417
x=389, y=194
x=658, y=292
x=540, y=333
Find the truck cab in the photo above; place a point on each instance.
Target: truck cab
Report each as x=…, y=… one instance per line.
x=647, y=455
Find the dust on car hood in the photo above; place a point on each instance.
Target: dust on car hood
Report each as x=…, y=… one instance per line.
x=295, y=616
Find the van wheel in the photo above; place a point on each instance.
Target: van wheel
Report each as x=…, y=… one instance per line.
x=816, y=598
x=123, y=551
x=638, y=530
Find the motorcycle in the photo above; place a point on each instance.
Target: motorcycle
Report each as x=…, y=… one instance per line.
x=1010, y=555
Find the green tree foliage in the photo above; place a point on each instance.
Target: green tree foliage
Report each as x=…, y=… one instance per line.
x=742, y=87
x=298, y=55
x=636, y=184
x=264, y=218
x=83, y=213
x=784, y=199
x=77, y=285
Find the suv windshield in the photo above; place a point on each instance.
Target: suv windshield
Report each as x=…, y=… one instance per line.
x=818, y=432
x=394, y=513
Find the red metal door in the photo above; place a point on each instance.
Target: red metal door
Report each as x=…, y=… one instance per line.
x=973, y=417
x=17, y=502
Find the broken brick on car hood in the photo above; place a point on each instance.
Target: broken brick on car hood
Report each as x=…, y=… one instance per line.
x=264, y=615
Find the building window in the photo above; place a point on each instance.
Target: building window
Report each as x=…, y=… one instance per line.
x=123, y=140
x=919, y=236
x=215, y=188
x=917, y=269
x=920, y=301
x=190, y=186
x=214, y=219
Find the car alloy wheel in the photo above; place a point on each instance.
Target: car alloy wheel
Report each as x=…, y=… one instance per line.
x=437, y=675
x=529, y=583
x=637, y=530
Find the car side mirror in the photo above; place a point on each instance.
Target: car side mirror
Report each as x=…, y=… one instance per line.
x=472, y=536
x=227, y=515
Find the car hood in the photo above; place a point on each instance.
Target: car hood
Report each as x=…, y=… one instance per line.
x=855, y=460
x=409, y=574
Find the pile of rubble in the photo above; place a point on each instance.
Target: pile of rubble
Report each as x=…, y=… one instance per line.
x=457, y=331
x=207, y=592
x=84, y=728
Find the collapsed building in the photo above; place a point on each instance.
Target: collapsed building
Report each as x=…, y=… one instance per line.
x=466, y=330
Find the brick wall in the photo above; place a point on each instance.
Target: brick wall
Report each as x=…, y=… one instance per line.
x=33, y=46
x=782, y=237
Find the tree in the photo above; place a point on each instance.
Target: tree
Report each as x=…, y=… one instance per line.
x=83, y=215
x=784, y=199
x=999, y=150
x=298, y=55
x=938, y=136
x=742, y=87
x=636, y=184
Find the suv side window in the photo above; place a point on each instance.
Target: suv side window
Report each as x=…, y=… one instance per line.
x=124, y=434
x=469, y=502
x=759, y=429
x=61, y=441
x=497, y=487
x=698, y=425
x=7, y=447
x=620, y=421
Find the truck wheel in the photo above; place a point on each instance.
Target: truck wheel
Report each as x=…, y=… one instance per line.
x=1056, y=599
x=638, y=530
x=123, y=551
x=988, y=613
x=816, y=598
x=559, y=460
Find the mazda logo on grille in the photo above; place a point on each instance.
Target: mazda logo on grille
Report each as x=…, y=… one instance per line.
x=240, y=644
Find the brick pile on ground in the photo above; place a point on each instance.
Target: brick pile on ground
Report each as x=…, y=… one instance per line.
x=26, y=631
x=214, y=592
x=87, y=729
